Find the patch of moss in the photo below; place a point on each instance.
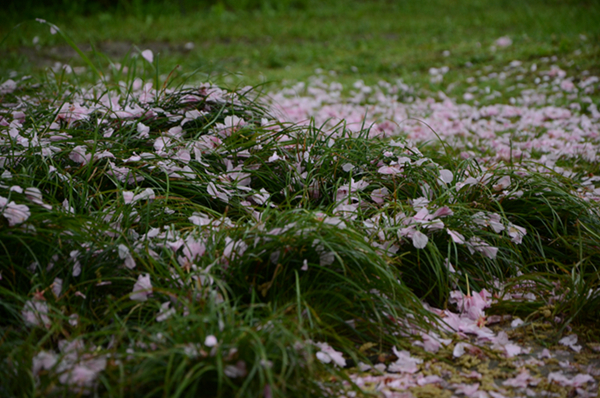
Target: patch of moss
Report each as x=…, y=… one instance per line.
x=430, y=391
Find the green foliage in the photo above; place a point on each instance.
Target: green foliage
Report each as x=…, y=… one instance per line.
x=141, y=8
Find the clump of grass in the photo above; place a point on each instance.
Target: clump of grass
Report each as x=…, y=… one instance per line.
x=226, y=248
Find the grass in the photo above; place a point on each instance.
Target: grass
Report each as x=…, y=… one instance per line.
x=362, y=40
x=263, y=249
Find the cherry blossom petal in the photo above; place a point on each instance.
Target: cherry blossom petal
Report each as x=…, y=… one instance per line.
x=446, y=176
x=142, y=288
x=148, y=55
x=419, y=240
x=210, y=341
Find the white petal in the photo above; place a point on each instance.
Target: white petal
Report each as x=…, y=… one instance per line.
x=446, y=176
x=323, y=357
x=347, y=167
x=459, y=350
x=419, y=240
x=210, y=341
x=123, y=251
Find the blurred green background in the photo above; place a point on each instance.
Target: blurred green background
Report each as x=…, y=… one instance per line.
x=29, y=8
x=253, y=41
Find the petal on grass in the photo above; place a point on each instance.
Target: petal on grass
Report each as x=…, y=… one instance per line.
x=147, y=193
x=142, y=288
x=516, y=233
x=446, y=176
x=44, y=360
x=127, y=197
x=389, y=170
x=15, y=214
x=456, y=237
x=405, y=362
x=210, y=341
x=321, y=356
x=237, y=370
x=148, y=55
x=378, y=195
x=443, y=211
x=57, y=287
x=571, y=342
x=419, y=240
x=165, y=312
x=35, y=313
x=143, y=130
x=502, y=183
x=328, y=354
x=503, y=41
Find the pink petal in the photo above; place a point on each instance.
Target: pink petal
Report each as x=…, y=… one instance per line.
x=389, y=170
x=456, y=237
x=429, y=380
x=443, y=212
x=148, y=55
x=378, y=195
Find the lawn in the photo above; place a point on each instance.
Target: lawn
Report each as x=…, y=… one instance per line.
x=338, y=199
x=369, y=40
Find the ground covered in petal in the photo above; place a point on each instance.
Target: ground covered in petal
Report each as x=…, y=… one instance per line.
x=160, y=238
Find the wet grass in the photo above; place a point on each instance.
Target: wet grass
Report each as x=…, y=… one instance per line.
x=280, y=274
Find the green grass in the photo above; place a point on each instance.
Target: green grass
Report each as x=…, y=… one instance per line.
x=295, y=274
x=368, y=40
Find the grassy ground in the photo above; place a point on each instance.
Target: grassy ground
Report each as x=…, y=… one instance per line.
x=368, y=40
x=141, y=254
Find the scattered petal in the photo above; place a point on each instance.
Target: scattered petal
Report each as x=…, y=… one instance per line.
x=142, y=288
x=210, y=341
x=419, y=240
x=148, y=55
